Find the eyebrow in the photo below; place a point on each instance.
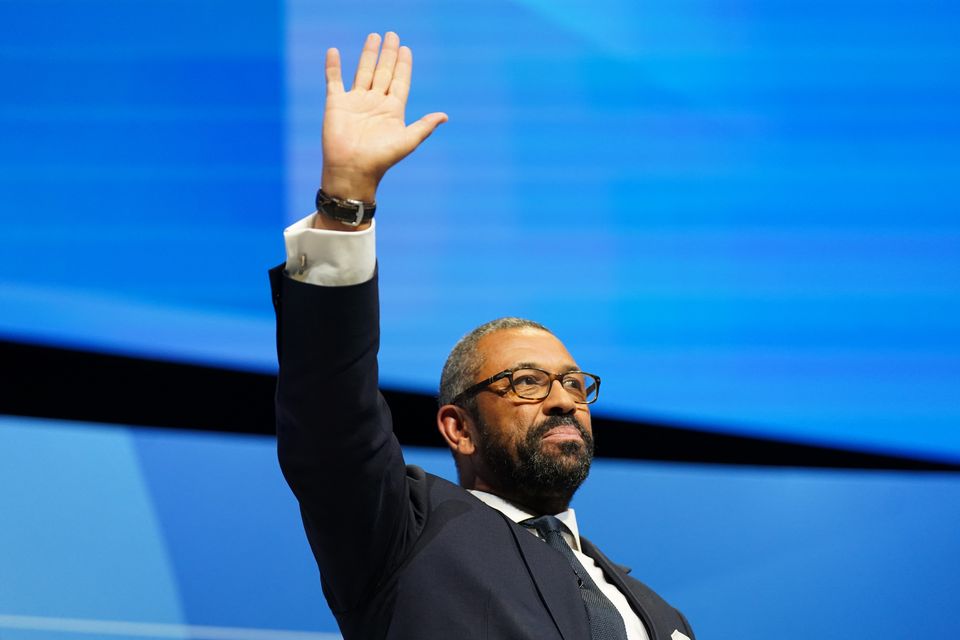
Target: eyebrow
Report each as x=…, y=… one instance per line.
x=535, y=365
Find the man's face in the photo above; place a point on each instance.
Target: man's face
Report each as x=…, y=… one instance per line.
x=539, y=448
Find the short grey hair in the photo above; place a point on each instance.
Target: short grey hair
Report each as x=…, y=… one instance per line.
x=464, y=362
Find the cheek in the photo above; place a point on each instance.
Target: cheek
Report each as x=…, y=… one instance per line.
x=585, y=421
x=506, y=429
x=527, y=417
x=512, y=429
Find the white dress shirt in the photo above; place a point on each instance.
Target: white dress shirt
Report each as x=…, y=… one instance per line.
x=343, y=258
x=329, y=258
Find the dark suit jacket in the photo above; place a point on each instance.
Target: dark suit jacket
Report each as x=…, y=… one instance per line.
x=402, y=553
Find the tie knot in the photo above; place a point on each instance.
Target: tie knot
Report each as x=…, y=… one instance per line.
x=545, y=525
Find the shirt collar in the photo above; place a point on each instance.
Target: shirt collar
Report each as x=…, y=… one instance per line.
x=518, y=513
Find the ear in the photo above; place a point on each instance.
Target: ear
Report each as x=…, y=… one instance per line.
x=456, y=427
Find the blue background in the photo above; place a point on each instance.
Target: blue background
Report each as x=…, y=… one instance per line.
x=115, y=524
x=759, y=198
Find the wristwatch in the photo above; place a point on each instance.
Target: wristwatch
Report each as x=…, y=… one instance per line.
x=346, y=210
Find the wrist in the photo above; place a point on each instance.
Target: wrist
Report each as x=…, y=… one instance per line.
x=351, y=213
x=327, y=223
x=349, y=185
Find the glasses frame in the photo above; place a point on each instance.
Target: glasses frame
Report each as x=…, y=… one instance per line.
x=508, y=373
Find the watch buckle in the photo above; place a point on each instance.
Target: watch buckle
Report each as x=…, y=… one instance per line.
x=359, y=214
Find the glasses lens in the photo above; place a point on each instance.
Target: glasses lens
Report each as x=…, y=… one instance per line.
x=535, y=385
x=531, y=383
x=591, y=387
x=574, y=384
x=582, y=386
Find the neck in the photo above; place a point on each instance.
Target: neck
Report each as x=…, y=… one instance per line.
x=538, y=505
x=543, y=505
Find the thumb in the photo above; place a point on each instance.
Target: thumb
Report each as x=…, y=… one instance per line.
x=422, y=128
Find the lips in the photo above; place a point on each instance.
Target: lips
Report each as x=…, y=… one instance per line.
x=562, y=433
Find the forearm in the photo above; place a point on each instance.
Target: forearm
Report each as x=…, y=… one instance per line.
x=335, y=442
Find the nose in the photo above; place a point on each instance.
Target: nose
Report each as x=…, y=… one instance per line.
x=558, y=401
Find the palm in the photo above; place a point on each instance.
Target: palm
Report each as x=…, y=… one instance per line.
x=365, y=127
x=364, y=133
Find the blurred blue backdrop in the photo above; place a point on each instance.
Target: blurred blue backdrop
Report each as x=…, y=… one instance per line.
x=759, y=197
x=197, y=535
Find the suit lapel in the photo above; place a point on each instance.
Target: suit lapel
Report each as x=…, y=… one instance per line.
x=615, y=574
x=555, y=582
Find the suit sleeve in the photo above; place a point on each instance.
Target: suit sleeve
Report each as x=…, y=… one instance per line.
x=686, y=623
x=334, y=435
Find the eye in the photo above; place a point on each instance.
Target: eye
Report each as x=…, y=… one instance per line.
x=530, y=381
x=573, y=382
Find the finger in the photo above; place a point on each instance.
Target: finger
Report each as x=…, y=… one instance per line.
x=368, y=62
x=388, y=60
x=334, y=79
x=400, y=86
x=422, y=128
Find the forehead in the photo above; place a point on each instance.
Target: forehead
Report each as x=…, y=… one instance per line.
x=507, y=348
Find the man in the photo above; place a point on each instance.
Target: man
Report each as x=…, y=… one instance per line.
x=404, y=554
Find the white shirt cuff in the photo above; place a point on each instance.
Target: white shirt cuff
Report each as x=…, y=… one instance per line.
x=329, y=258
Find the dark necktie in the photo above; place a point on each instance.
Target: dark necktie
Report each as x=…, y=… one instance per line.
x=606, y=623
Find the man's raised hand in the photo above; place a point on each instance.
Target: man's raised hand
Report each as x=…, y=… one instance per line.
x=364, y=133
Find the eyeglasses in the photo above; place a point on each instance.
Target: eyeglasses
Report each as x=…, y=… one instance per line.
x=535, y=384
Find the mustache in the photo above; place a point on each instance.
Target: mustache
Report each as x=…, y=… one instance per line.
x=552, y=422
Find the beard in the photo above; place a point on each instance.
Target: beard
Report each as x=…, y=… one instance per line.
x=536, y=470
